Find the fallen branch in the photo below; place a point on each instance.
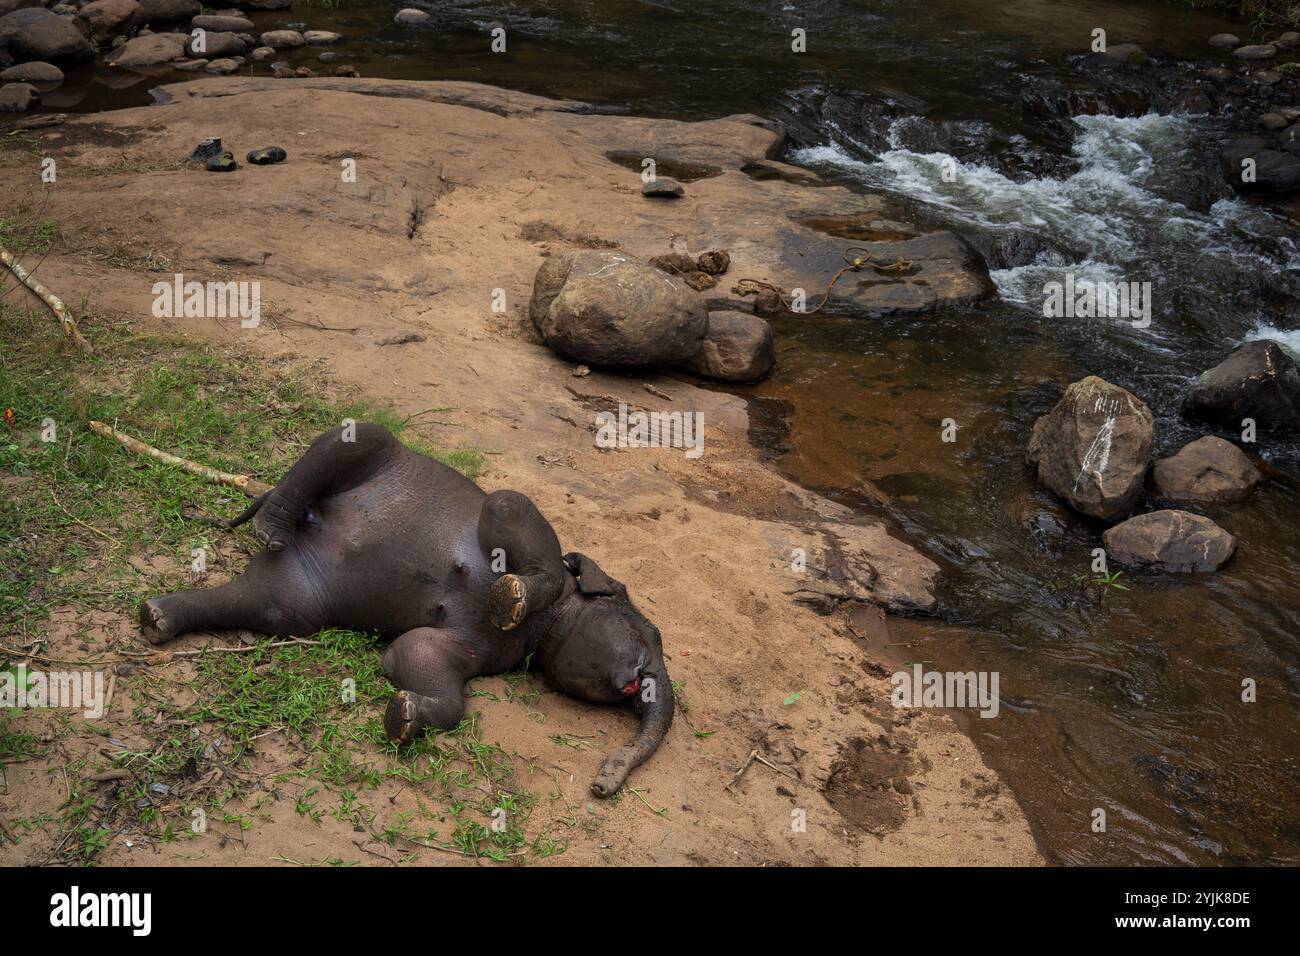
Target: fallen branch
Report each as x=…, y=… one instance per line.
x=249, y=486
x=53, y=301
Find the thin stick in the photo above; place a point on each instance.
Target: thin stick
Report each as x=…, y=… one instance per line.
x=753, y=755
x=49, y=298
x=244, y=648
x=249, y=486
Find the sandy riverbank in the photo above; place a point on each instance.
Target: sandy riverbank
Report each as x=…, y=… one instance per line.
x=460, y=191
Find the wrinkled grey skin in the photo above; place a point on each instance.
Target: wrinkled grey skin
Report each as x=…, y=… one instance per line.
x=368, y=535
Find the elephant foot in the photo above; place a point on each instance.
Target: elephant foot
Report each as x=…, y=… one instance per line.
x=507, y=602
x=402, y=720
x=152, y=623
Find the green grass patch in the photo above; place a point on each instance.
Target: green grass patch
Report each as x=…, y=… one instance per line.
x=78, y=515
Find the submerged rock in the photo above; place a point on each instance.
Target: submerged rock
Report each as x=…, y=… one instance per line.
x=1225, y=40
x=607, y=308
x=738, y=348
x=1177, y=541
x=1257, y=381
x=1093, y=448
x=1209, y=469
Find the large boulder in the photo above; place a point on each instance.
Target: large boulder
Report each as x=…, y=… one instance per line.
x=1171, y=541
x=607, y=308
x=105, y=19
x=737, y=348
x=1258, y=381
x=38, y=34
x=1275, y=171
x=150, y=50
x=1208, y=469
x=1093, y=448
x=169, y=11
x=9, y=6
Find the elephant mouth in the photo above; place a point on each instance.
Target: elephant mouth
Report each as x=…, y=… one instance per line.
x=631, y=687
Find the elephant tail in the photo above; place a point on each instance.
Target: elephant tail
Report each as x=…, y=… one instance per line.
x=249, y=511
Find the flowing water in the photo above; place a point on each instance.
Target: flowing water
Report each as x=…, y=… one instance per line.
x=1123, y=700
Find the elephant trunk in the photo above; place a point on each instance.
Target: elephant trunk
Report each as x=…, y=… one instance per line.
x=656, y=715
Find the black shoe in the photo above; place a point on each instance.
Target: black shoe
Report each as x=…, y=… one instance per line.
x=206, y=150
x=267, y=156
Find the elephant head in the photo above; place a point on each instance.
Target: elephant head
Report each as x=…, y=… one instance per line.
x=602, y=649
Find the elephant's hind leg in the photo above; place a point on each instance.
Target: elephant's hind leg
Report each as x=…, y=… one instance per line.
x=430, y=667
x=237, y=604
x=511, y=529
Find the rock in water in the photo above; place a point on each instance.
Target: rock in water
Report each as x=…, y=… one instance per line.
x=1093, y=448
x=607, y=308
x=222, y=67
x=1176, y=541
x=215, y=45
x=1259, y=51
x=663, y=189
x=18, y=97
x=223, y=24
x=169, y=11
x=1271, y=172
x=738, y=348
x=37, y=34
x=34, y=72
x=1225, y=40
x=321, y=37
x=283, y=39
x=1257, y=381
x=412, y=17
x=1208, y=469
x=266, y=4
x=149, y=50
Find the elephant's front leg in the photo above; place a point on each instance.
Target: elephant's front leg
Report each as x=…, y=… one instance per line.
x=518, y=541
x=429, y=666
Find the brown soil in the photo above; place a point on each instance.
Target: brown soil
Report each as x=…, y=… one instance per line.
x=493, y=182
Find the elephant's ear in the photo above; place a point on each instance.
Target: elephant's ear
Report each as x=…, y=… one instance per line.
x=591, y=579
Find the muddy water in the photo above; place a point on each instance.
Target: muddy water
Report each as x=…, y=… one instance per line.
x=1125, y=700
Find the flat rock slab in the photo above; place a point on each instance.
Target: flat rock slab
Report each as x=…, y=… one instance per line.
x=1209, y=469
x=1176, y=541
